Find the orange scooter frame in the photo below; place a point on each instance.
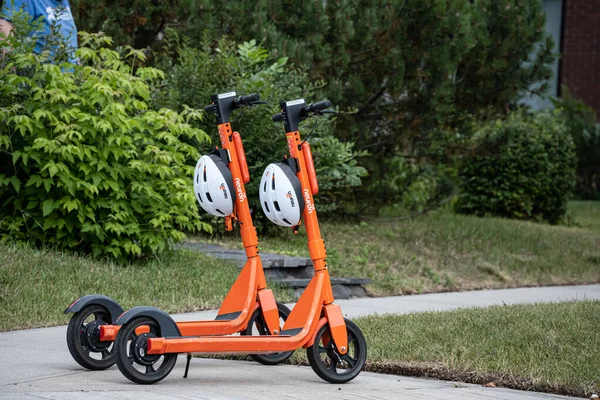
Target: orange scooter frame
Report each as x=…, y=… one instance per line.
x=315, y=323
x=249, y=293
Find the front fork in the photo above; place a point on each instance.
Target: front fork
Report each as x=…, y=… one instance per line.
x=269, y=309
x=332, y=316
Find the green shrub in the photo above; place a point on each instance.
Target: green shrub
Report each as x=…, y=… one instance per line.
x=406, y=185
x=246, y=68
x=86, y=162
x=523, y=168
x=585, y=130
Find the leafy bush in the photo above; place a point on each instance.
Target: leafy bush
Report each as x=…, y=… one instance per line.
x=86, y=163
x=524, y=168
x=408, y=186
x=246, y=68
x=585, y=130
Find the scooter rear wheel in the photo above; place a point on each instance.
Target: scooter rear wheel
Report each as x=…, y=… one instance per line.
x=329, y=364
x=257, y=325
x=83, y=338
x=133, y=359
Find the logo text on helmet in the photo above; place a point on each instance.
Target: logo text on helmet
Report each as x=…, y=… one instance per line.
x=309, y=205
x=238, y=186
x=290, y=196
x=222, y=187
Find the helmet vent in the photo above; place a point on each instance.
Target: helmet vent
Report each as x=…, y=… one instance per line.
x=276, y=204
x=267, y=207
x=204, y=175
x=286, y=221
x=265, y=187
x=219, y=211
x=273, y=182
x=200, y=198
x=208, y=197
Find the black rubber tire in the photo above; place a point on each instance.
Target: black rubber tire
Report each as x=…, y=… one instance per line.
x=78, y=340
x=355, y=358
x=257, y=321
x=126, y=359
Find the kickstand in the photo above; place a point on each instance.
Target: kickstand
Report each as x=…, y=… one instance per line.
x=187, y=364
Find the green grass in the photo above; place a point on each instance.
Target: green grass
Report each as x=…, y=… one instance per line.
x=438, y=252
x=552, y=348
x=36, y=286
x=447, y=252
x=543, y=347
x=586, y=214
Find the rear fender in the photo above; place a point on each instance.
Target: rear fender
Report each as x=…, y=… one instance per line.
x=112, y=306
x=168, y=327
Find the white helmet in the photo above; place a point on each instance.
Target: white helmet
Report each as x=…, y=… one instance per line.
x=281, y=195
x=213, y=184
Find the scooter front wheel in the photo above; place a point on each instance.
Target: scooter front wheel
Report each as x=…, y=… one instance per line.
x=257, y=325
x=329, y=364
x=83, y=338
x=131, y=348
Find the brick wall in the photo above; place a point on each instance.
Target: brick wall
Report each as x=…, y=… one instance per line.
x=580, y=70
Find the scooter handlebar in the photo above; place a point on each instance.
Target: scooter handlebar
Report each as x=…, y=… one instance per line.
x=251, y=98
x=277, y=117
x=318, y=106
x=239, y=102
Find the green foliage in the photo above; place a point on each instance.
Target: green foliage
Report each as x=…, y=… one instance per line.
x=246, y=68
x=524, y=168
x=499, y=66
x=86, y=163
x=408, y=71
x=585, y=130
x=337, y=170
x=408, y=185
x=404, y=65
x=135, y=23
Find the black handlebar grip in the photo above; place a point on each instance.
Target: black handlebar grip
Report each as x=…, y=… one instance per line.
x=277, y=117
x=318, y=106
x=248, y=99
x=210, y=109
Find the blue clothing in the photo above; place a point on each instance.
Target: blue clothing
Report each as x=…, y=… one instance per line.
x=51, y=11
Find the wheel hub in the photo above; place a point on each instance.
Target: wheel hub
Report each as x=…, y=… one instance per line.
x=334, y=356
x=92, y=336
x=140, y=350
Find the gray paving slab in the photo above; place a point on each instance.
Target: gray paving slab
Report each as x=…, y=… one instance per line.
x=36, y=363
x=269, y=260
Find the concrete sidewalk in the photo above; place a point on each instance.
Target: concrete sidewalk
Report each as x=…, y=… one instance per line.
x=447, y=301
x=37, y=364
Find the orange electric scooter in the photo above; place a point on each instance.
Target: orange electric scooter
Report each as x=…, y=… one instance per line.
x=248, y=308
x=335, y=346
